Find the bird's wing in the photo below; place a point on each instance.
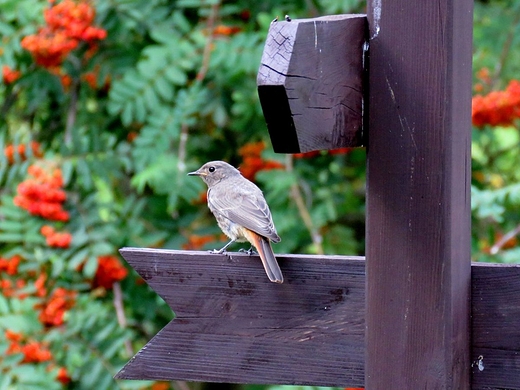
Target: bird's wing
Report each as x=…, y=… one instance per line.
x=245, y=207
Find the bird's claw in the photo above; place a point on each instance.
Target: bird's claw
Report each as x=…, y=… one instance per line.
x=217, y=251
x=249, y=251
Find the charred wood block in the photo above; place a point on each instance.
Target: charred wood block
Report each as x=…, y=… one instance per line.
x=310, y=83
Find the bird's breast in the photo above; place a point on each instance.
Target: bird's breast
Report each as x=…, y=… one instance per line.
x=231, y=229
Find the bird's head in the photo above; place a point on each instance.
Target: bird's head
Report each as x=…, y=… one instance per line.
x=214, y=171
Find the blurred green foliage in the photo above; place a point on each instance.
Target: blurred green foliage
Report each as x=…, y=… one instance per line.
x=172, y=86
x=495, y=149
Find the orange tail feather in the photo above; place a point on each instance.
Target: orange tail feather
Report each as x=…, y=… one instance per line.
x=263, y=246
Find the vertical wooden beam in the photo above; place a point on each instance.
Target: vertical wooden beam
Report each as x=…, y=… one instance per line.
x=418, y=201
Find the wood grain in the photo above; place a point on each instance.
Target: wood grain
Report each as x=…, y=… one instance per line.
x=418, y=198
x=310, y=83
x=496, y=326
x=233, y=325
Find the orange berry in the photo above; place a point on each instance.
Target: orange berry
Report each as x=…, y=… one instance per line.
x=12, y=336
x=9, y=75
x=63, y=376
x=110, y=270
x=46, y=230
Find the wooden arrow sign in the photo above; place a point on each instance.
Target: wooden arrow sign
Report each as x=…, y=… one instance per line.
x=233, y=325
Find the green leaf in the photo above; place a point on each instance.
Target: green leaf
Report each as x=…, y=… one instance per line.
x=175, y=75
x=101, y=248
x=4, y=305
x=151, y=100
x=58, y=266
x=11, y=226
x=139, y=110
x=67, y=169
x=90, y=268
x=6, y=379
x=164, y=88
x=24, y=322
x=85, y=173
x=11, y=237
x=10, y=211
x=127, y=115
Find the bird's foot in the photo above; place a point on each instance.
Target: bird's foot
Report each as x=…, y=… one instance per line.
x=217, y=251
x=249, y=251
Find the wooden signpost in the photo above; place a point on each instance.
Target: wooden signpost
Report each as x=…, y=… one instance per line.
x=418, y=195
x=414, y=314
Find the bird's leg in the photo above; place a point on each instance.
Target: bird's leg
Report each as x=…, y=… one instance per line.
x=223, y=249
x=250, y=251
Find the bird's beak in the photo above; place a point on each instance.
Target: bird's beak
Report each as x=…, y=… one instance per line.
x=196, y=173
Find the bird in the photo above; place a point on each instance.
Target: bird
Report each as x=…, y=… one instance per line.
x=241, y=212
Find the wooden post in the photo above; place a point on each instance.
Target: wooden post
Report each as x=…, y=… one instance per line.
x=418, y=199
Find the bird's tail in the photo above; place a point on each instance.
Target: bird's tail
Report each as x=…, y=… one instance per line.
x=263, y=246
x=272, y=269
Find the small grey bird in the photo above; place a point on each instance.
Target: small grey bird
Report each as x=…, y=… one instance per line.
x=241, y=212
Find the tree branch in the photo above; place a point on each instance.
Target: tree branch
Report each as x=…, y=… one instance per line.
x=120, y=313
x=210, y=25
x=505, y=51
x=503, y=240
x=201, y=75
x=296, y=194
x=72, y=111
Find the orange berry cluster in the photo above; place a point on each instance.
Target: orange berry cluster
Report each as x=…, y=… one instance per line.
x=39, y=285
x=53, y=311
x=65, y=79
x=11, y=289
x=56, y=239
x=253, y=162
x=93, y=80
x=196, y=241
x=109, y=271
x=484, y=80
x=497, y=108
x=10, y=266
x=161, y=386
x=68, y=24
x=42, y=194
x=224, y=30
x=11, y=150
x=9, y=75
x=33, y=351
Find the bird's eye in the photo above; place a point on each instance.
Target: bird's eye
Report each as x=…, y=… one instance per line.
x=211, y=169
